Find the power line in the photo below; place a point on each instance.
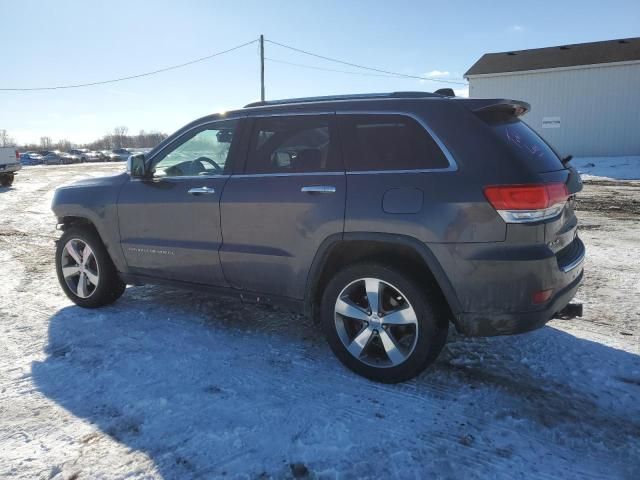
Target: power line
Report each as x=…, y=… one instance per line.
x=173, y=67
x=379, y=70
x=314, y=67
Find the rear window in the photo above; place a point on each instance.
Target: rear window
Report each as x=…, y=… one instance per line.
x=526, y=143
x=389, y=142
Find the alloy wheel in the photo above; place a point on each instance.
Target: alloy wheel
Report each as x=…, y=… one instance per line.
x=376, y=322
x=80, y=268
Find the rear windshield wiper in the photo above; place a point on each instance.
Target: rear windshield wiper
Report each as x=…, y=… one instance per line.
x=566, y=160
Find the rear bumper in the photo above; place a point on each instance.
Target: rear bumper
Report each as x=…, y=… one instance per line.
x=492, y=324
x=495, y=284
x=10, y=168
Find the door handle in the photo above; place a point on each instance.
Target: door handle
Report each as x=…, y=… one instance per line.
x=201, y=191
x=318, y=189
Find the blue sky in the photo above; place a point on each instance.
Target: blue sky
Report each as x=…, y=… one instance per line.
x=64, y=42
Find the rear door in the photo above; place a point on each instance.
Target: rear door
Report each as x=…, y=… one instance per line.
x=289, y=199
x=7, y=157
x=170, y=223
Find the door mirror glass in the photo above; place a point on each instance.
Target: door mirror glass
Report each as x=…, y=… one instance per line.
x=136, y=165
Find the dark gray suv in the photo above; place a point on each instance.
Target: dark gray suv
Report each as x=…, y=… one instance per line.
x=383, y=216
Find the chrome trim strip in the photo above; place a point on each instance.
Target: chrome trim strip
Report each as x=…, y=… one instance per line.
x=287, y=174
x=453, y=166
x=185, y=177
x=422, y=170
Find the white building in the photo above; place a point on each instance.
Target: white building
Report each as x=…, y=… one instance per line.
x=585, y=98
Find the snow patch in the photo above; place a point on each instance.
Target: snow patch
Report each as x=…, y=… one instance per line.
x=608, y=168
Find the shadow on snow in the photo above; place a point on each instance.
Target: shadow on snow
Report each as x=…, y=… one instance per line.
x=210, y=387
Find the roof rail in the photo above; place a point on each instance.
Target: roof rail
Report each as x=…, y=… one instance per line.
x=356, y=96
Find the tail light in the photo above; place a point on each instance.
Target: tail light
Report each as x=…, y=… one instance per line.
x=527, y=203
x=17, y=155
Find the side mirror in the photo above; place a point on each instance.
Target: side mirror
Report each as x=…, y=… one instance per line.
x=137, y=165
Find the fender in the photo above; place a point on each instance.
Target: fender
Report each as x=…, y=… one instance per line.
x=390, y=239
x=98, y=206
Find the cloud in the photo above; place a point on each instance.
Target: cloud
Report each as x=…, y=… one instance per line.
x=437, y=74
x=516, y=28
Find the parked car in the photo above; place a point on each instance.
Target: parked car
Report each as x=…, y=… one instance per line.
x=80, y=153
x=29, y=158
x=122, y=154
x=48, y=157
x=9, y=165
x=384, y=217
x=68, y=158
x=109, y=156
x=95, y=156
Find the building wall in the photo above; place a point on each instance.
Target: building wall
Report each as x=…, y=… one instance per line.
x=598, y=106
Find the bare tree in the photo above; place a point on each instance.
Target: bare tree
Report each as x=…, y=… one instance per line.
x=5, y=139
x=45, y=143
x=120, y=139
x=119, y=136
x=63, y=144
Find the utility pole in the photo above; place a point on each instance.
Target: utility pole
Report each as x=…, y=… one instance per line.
x=262, y=68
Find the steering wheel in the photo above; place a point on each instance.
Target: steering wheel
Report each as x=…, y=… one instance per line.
x=217, y=168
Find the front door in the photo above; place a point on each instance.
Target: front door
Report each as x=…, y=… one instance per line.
x=288, y=200
x=170, y=223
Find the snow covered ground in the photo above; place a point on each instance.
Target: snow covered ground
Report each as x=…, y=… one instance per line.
x=175, y=384
x=612, y=168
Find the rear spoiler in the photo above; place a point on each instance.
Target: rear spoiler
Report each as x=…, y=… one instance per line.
x=503, y=107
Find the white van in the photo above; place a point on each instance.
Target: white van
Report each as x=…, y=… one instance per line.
x=9, y=165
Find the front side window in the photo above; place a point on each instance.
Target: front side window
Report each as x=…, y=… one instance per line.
x=296, y=144
x=204, y=152
x=389, y=142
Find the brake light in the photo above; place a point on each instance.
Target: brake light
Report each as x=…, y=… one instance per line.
x=527, y=203
x=17, y=155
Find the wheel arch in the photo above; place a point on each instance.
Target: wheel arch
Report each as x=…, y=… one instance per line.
x=67, y=220
x=340, y=250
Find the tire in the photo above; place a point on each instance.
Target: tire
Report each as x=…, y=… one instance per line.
x=395, y=351
x=101, y=285
x=7, y=180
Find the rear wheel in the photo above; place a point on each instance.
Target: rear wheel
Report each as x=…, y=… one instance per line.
x=85, y=270
x=6, y=180
x=380, y=323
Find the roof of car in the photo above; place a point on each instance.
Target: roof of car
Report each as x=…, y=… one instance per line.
x=592, y=53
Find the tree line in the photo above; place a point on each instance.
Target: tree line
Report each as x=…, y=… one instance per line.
x=119, y=138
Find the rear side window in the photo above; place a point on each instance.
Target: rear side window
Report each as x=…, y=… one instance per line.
x=526, y=143
x=295, y=144
x=389, y=142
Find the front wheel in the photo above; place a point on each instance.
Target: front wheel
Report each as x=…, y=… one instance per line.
x=381, y=323
x=85, y=270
